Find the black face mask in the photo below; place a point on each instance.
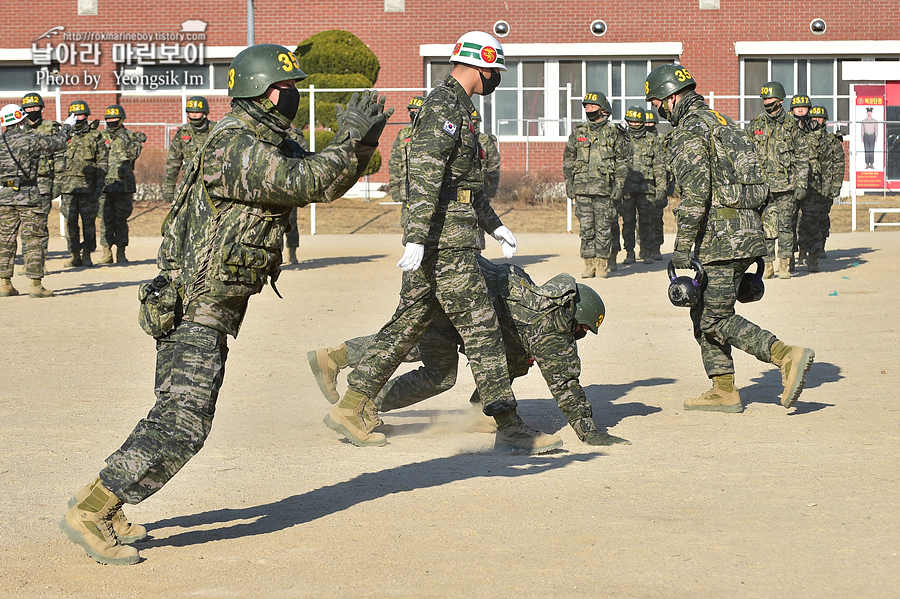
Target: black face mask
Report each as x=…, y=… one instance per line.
x=288, y=101
x=34, y=116
x=593, y=115
x=412, y=116
x=488, y=85
x=772, y=108
x=580, y=334
x=113, y=125
x=198, y=121
x=663, y=111
x=81, y=126
x=636, y=128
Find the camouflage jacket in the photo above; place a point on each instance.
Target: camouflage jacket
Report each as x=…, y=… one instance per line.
x=124, y=148
x=491, y=164
x=86, y=163
x=832, y=157
x=538, y=323
x=783, y=150
x=445, y=179
x=647, y=172
x=716, y=232
x=816, y=141
x=222, y=238
x=596, y=159
x=185, y=143
x=48, y=164
x=397, y=164
x=20, y=158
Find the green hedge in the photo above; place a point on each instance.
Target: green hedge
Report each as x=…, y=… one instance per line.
x=337, y=52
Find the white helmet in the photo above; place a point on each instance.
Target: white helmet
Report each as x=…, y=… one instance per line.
x=479, y=49
x=11, y=114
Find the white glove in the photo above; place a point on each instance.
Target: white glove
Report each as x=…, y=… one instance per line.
x=71, y=120
x=412, y=257
x=507, y=241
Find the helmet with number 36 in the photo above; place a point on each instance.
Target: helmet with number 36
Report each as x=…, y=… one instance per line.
x=668, y=79
x=255, y=68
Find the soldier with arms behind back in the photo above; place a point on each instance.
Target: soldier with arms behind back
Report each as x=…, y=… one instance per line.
x=186, y=142
x=399, y=157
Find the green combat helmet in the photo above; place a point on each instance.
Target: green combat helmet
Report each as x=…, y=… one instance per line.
x=197, y=104
x=668, y=79
x=589, y=308
x=415, y=103
x=650, y=116
x=772, y=89
x=32, y=99
x=799, y=101
x=598, y=98
x=115, y=112
x=634, y=114
x=819, y=112
x=79, y=107
x=255, y=68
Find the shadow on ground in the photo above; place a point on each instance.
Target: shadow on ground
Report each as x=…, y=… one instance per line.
x=335, y=261
x=767, y=388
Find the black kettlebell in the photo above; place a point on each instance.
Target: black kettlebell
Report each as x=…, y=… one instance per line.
x=684, y=292
x=752, y=287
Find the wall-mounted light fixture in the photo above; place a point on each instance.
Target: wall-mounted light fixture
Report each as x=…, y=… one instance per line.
x=818, y=26
x=598, y=27
x=501, y=28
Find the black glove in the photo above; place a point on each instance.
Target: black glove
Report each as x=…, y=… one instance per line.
x=356, y=120
x=681, y=259
x=661, y=200
x=376, y=110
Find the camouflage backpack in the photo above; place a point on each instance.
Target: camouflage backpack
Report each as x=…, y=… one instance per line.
x=734, y=156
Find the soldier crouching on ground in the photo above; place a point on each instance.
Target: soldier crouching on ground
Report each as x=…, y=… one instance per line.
x=539, y=323
x=222, y=244
x=727, y=238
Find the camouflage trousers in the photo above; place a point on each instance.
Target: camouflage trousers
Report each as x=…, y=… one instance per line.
x=825, y=217
x=810, y=236
x=653, y=229
x=116, y=207
x=448, y=280
x=628, y=210
x=292, y=236
x=190, y=366
x=716, y=325
x=32, y=221
x=780, y=223
x=596, y=217
x=46, y=206
x=83, y=206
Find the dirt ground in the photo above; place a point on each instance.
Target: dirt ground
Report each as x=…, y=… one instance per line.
x=765, y=504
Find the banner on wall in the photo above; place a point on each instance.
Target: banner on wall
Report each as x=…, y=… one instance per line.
x=869, y=136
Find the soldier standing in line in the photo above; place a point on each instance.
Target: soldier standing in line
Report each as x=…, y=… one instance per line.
x=33, y=105
x=645, y=187
x=595, y=165
x=833, y=166
x=21, y=201
x=222, y=244
x=800, y=106
x=783, y=153
x=490, y=164
x=658, y=225
x=809, y=235
x=727, y=240
x=398, y=159
x=440, y=270
x=117, y=202
x=540, y=324
x=186, y=142
x=81, y=183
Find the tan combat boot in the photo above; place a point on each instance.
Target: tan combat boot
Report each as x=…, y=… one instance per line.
x=126, y=531
x=38, y=290
x=629, y=257
x=589, y=435
x=794, y=363
x=120, y=255
x=107, y=257
x=812, y=262
x=89, y=524
x=600, y=267
x=7, y=289
x=590, y=269
x=784, y=268
x=611, y=265
x=74, y=261
x=352, y=418
x=769, y=272
x=723, y=397
x=325, y=365
x=292, y=256
x=512, y=432
x=86, y=258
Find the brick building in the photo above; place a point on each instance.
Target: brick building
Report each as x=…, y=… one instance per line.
x=146, y=52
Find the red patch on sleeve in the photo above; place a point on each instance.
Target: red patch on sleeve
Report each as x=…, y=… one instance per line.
x=407, y=139
x=759, y=132
x=186, y=137
x=582, y=139
x=106, y=142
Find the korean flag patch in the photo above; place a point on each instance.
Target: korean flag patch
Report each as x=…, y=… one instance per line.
x=450, y=129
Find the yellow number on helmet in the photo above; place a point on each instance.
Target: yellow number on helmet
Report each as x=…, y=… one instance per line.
x=646, y=87
x=765, y=90
x=286, y=64
x=230, y=78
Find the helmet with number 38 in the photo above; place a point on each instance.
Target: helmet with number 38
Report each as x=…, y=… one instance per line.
x=255, y=68
x=668, y=79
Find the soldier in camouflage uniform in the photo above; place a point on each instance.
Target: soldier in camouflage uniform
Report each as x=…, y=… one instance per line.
x=783, y=152
x=33, y=105
x=809, y=235
x=726, y=237
x=81, y=183
x=540, y=323
x=21, y=201
x=221, y=245
x=645, y=187
x=117, y=201
x=440, y=271
x=186, y=142
x=490, y=164
x=832, y=175
x=399, y=157
x=595, y=165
